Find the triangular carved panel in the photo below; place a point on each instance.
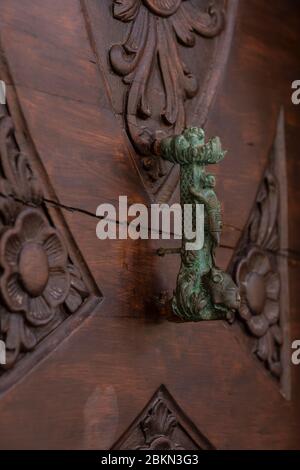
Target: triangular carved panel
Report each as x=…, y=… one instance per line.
x=162, y=425
x=46, y=291
x=260, y=266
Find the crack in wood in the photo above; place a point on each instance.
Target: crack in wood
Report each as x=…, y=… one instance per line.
x=292, y=255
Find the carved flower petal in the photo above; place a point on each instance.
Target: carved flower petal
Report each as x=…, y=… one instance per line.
x=258, y=325
x=57, y=287
x=126, y=10
x=15, y=297
x=277, y=334
x=73, y=300
x=12, y=339
x=18, y=338
x=39, y=312
x=262, y=348
x=271, y=311
x=11, y=247
x=273, y=286
x=275, y=368
x=31, y=224
x=259, y=262
x=244, y=310
x=56, y=251
x=242, y=272
x=76, y=280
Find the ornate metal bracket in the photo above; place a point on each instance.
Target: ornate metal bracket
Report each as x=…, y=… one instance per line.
x=203, y=291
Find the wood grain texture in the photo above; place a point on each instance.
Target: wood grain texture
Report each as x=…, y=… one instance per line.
x=107, y=370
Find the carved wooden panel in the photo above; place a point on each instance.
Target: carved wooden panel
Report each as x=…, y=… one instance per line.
x=162, y=426
x=162, y=72
x=42, y=285
x=261, y=268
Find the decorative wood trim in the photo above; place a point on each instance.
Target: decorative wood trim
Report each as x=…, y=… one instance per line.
x=41, y=284
x=261, y=268
x=162, y=426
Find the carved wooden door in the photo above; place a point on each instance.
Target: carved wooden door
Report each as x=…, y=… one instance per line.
x=93, y=360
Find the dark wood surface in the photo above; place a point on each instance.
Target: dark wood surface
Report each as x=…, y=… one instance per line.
x=87, y=392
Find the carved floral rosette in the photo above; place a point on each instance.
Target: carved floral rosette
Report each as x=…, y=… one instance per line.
x=150, y=63
x=39, y=284
x=258, y=277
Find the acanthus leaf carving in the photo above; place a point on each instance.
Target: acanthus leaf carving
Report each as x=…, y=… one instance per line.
x=151, y=49
x=162, y=426
x=158, y=427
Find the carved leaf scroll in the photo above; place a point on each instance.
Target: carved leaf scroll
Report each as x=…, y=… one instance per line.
x=40, y=286
x=150, y=60
x=162, y=426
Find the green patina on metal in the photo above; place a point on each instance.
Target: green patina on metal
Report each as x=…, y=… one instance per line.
x=203, y=291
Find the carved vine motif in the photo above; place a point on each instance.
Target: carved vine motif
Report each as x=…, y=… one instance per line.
x=39, y=284
x=258, y=276
x=151, y=49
